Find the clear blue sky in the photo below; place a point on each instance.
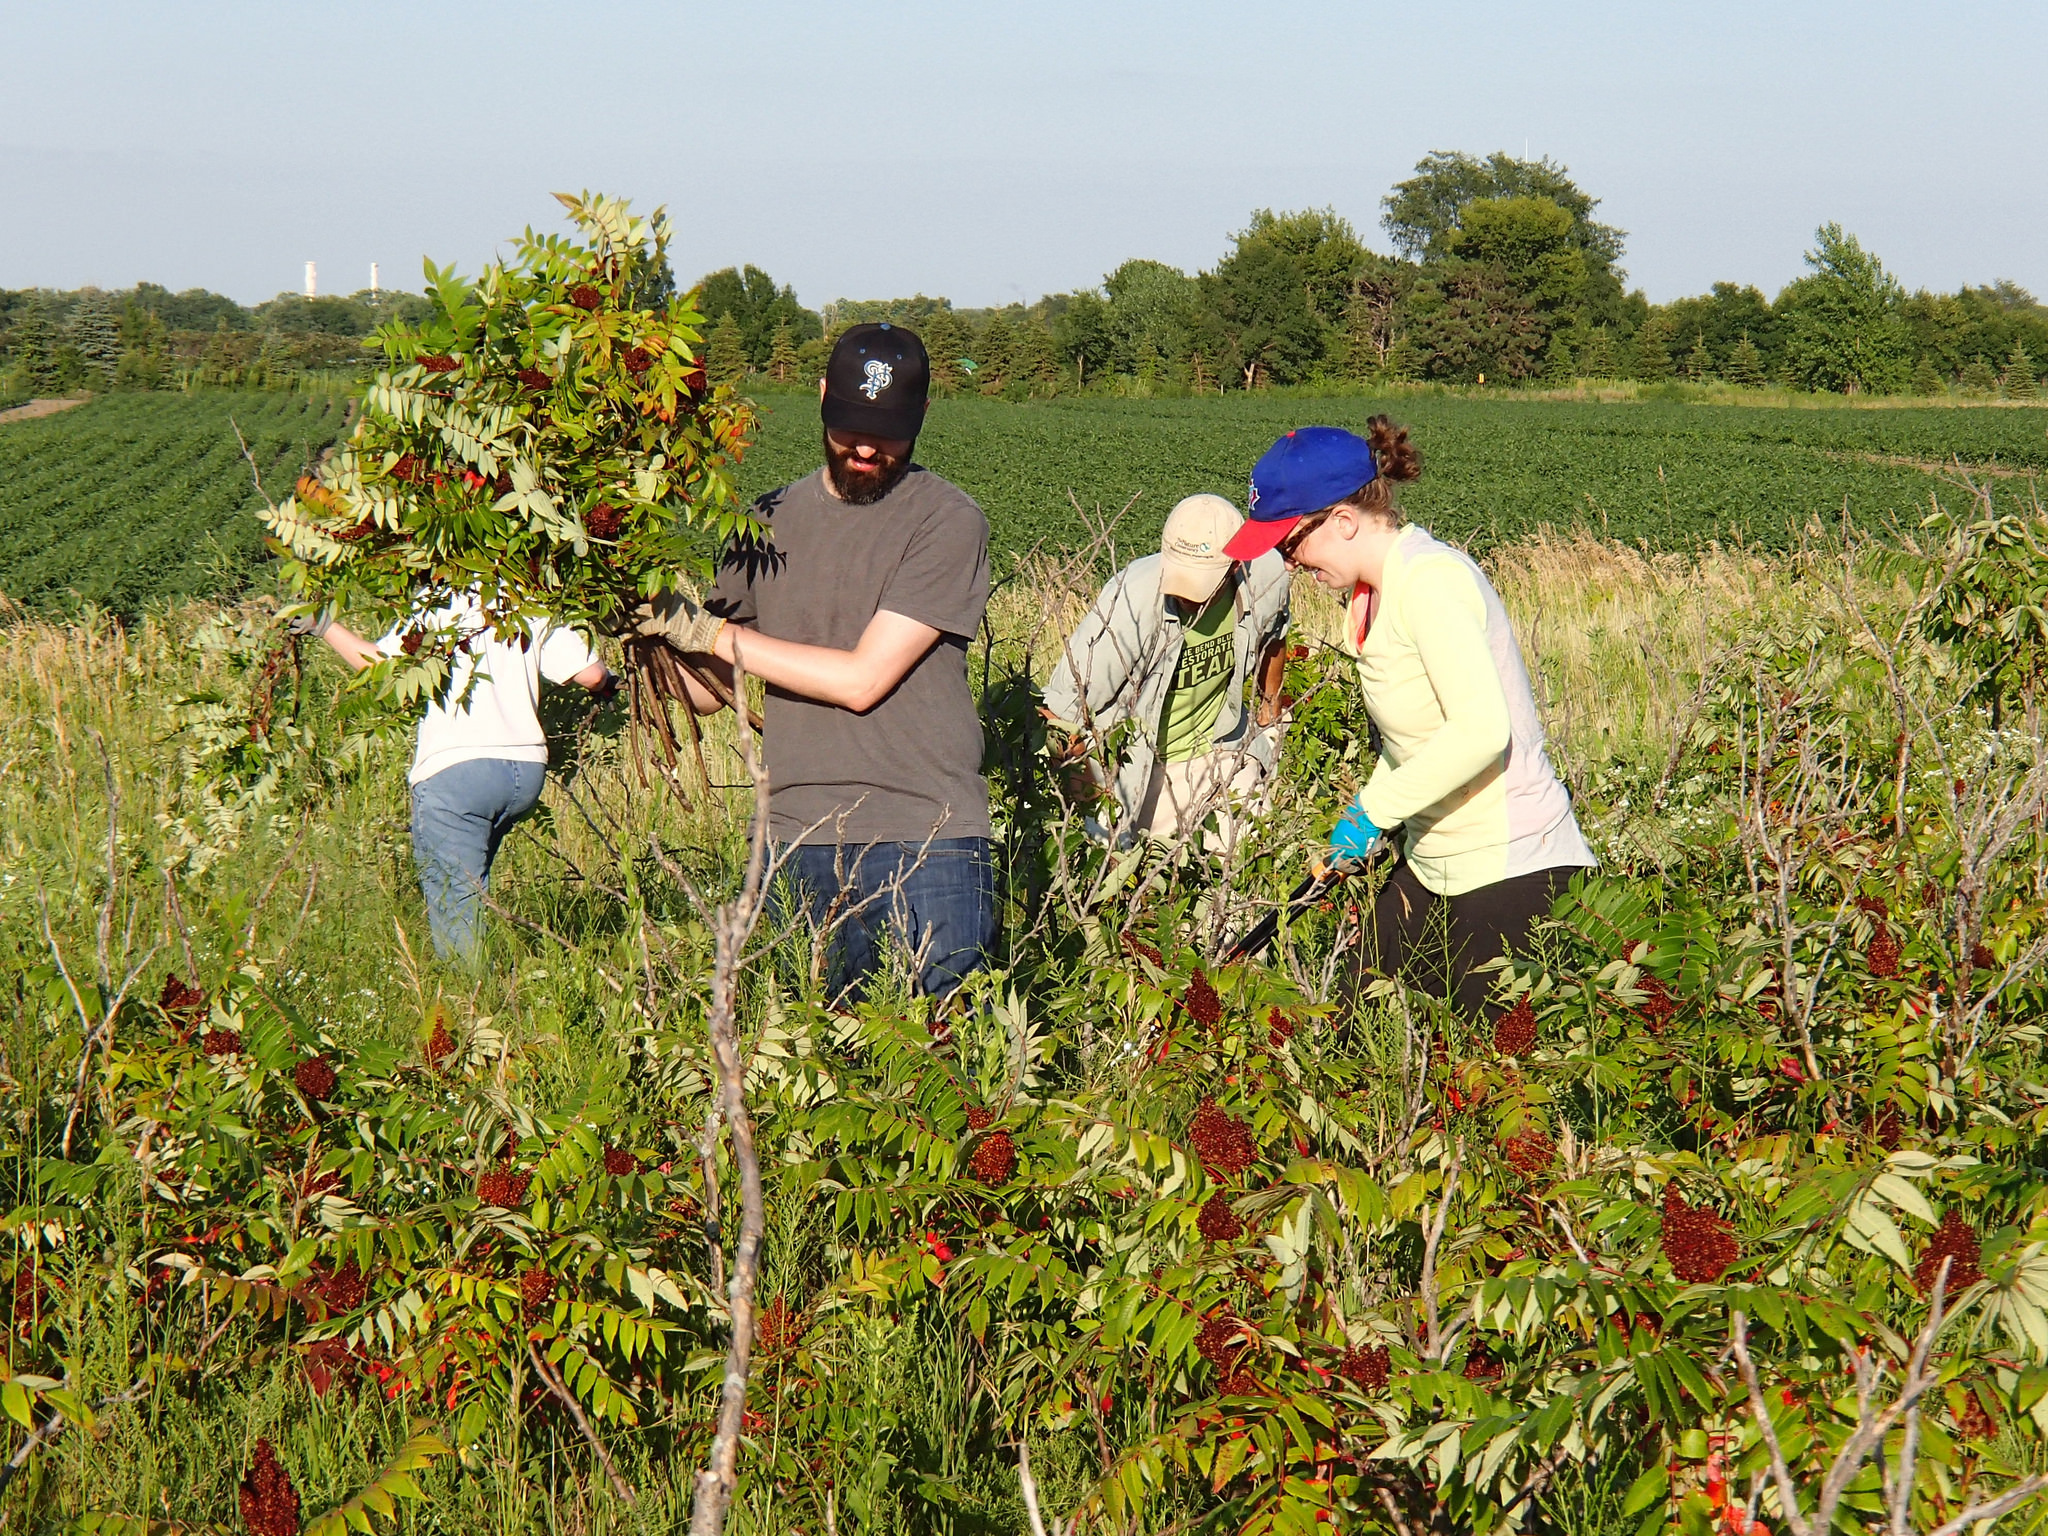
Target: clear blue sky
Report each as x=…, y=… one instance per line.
x=990, y=152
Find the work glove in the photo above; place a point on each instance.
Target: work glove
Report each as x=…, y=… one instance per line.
x=1354, y=838
x=311, y=623
x=679, y=621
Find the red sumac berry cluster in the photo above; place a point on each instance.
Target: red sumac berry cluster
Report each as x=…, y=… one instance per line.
x=1480, y=1365
x=270, y=1504
x=779, y=1326
x=1220, y=1340
x=1366, y=1366
x=503, y=1188
x=1514, y=1032
x=620, y=1163
x=440, y=1044
x=995, y=1159
x=344, y=1289
x=1222, y=1143
x=1530, y=1151
x=1657, y=1006
x=536, y=1290
x=1696, y=1239
x=1956, y=1241
x=182, y=1004
x=315, y=1078
x=1218, y=1223
x=1279, y=1028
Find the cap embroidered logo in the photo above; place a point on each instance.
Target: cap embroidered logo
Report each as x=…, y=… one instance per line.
x=878, y=377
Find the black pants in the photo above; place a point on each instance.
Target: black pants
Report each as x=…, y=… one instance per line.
x=1441, y=953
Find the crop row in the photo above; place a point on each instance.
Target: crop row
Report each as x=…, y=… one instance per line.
x=141, y=497
x=1674, y=474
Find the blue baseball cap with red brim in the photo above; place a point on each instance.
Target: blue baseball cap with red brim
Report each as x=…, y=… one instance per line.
x=1307, y=470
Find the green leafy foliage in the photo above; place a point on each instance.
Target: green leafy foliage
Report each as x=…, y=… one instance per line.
x=543, y=438
x=1986, y=596
x=396, y=1218
x=1218, y=1248
x=1845, y=329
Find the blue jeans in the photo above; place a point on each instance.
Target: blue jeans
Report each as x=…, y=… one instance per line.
x=943, y=914
x=459, y=816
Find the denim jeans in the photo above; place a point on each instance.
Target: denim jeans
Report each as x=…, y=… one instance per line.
x=942, y=914
x=459, y=816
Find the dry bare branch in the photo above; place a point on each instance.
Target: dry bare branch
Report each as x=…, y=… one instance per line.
x=567, y=1399
x=1029, y=1485
x=1875, y=1423
x=1432, y=1236
x=731, y=925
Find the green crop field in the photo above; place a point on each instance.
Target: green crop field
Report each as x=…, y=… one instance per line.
x=137, y=497
x=1672, y=473
x=144, y=496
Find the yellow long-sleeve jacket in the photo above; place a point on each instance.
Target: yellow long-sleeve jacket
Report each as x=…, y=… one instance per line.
x=1462, y=772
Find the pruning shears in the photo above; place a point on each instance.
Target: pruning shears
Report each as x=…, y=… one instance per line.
x=1314, y=886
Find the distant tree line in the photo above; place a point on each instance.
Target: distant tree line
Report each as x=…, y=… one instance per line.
x=1500, y=274
x=146, y=337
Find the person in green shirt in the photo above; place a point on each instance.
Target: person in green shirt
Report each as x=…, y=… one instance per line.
x=1167, y=650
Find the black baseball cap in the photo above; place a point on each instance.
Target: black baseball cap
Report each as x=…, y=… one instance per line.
x=877, y=381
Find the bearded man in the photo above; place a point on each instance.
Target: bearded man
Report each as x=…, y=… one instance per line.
x=857, y=611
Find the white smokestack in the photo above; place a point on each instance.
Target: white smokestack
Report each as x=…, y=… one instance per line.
x=373, y=277
x=312, y=280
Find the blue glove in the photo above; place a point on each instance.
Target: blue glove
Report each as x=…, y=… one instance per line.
x=1354, y=837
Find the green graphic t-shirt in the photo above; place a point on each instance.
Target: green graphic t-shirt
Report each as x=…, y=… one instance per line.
x=1187, y=721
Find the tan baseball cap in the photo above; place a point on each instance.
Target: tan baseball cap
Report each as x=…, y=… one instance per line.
x=1192, y=563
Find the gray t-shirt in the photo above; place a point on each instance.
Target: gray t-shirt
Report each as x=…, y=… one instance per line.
x=910, y=768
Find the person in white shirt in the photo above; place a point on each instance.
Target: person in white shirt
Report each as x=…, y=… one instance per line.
x=482, y=755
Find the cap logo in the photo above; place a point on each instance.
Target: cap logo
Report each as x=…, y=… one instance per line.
x=878, y=376
x=1253, y=504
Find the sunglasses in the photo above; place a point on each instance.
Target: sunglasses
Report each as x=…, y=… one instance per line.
x=1300, y=532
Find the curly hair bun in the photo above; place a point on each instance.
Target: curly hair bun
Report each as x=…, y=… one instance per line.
x=1396, y=457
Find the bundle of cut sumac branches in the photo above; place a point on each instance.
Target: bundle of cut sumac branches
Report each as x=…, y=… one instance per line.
x=545, y=439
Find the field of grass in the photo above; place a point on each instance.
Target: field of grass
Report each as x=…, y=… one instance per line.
x=139, y=497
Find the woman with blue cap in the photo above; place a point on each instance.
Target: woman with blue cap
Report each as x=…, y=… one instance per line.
x=1463, y=785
